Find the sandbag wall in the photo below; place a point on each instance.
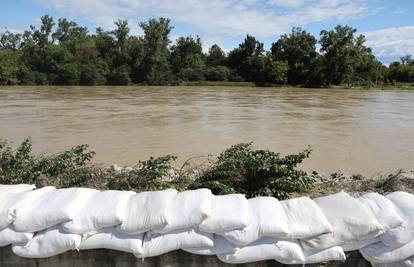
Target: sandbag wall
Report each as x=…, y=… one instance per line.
x=44, y=222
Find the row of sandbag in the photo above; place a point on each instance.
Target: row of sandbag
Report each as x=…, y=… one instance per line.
x=235, y=229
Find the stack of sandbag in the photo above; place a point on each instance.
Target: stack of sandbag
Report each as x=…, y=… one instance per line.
x=45, y=222
x=147, y=211
x=396, y=245
x=353, y=224
x=12, y=198
x=273, y=232
x=99, y=210
x=306, y=220
x=184, y=213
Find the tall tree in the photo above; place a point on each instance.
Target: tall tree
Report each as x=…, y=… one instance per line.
x=299, y=49
x=216, y=56
x=243, y=58
x=10, y=40
x=342, y=52
x=155, y=67
x=9, y=66
x=187, y=59
x=120, y=57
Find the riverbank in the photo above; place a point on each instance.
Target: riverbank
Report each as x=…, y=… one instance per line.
x=391, y=86
x=394, y=86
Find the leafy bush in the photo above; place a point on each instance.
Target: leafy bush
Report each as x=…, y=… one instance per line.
x=147, y=175
x=16, y=166
x=255, y=172
x=65, y=169
x=239, y=169
x=218, y=73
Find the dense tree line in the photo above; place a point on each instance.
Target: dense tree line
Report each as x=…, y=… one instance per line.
x=63, y=53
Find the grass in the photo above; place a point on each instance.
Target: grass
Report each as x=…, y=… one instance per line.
x=400, y=86
x=219, y=83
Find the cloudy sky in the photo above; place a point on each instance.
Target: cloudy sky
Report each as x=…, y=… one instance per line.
x=388, y=25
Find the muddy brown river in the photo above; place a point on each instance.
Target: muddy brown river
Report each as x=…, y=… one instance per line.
x=368, y=132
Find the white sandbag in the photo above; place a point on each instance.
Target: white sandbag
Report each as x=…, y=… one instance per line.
x=10, y=236
x=383, y=209
x=15, y=188
x=305, y=218
x=52, y=208
x=147, y=211
x=221, y=245
x=188, y=209
x=110, y=238
x=10, y=202
x=356, y=245
x=102, y=210
x=406, y=263
x=266, y=218
x=229, y=212
x=48, y=243
x=326, y=255
x=351, y=222
x=157, y=244
x=381, y=253
x=404, y=233
x=267, y=248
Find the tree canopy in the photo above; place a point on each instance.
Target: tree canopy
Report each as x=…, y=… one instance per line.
x=61, y=52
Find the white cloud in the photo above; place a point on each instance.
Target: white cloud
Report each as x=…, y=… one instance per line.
x=391, y=42
x=220, y=20
x=288, y=3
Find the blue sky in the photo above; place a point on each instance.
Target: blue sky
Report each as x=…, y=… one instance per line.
x=388, y=25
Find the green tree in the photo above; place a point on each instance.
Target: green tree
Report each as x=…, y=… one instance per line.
x=9, y=40
x=155, y=67
x=299, y=49
x=120, y=60
x=216, y=56
x=402, y=71
x=276, y=71
x=218, y=73
x=68, y=33
x=121, y=34
x=343, y=53
x=246, y=58
x=35, y=48
x=406, y=60
x=187, y=59
x=9, y=67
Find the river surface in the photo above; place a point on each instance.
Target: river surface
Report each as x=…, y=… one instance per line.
x=368, y=132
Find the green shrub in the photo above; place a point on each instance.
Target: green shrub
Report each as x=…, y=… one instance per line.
x=239, y=169
x=147, y=175
x=65, y=169
x=218, y=73
x=255, y=172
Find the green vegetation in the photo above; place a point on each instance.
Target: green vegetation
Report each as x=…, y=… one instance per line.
x=238, y=169
x=63, y=53
x=358, y=184
x=255, y=172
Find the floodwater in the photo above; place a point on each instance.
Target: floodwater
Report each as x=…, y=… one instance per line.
x=368, y=132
